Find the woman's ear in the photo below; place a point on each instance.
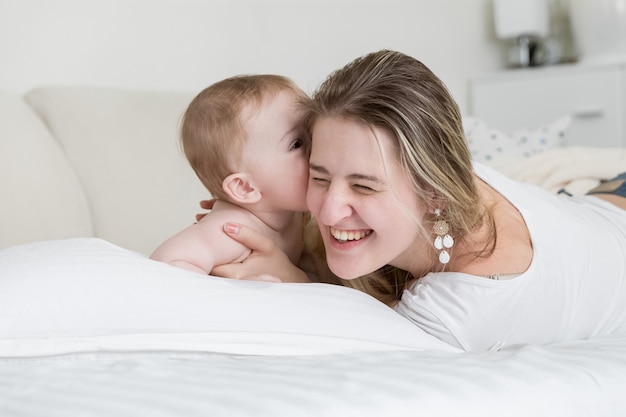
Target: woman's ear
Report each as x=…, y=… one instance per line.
x=435, y=201
x=240, y=189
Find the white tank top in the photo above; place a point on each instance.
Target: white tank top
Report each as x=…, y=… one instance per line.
x=575, y=287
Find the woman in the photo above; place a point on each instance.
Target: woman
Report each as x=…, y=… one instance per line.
x=472, y=257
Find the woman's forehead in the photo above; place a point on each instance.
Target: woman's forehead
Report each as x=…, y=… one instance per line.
x=349, y=142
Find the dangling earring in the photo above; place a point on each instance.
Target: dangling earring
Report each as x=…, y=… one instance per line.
x=443, y=240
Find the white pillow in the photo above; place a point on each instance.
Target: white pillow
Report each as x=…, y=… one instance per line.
x=85, y=295
x=488, y=144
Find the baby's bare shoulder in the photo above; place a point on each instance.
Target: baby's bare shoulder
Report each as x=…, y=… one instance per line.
x=224, y=212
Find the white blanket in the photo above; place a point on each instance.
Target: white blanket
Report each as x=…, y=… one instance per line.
x=91, y=329
x=576, y=169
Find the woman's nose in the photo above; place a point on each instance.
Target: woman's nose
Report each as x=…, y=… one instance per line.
x=335, y=207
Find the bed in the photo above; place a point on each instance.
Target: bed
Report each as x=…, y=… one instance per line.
x=92, y=329
x=90, y=326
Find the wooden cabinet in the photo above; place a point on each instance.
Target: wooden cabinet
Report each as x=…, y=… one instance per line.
x=594, y=96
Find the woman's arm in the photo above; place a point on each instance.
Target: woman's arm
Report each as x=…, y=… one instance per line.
x=265, y=261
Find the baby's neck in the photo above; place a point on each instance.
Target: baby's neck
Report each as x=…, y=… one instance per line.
x=288, y=228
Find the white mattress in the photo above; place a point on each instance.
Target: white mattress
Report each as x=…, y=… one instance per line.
x=572, y=379
x=88, y=329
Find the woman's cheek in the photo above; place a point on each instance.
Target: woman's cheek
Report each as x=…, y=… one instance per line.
x=312, y=199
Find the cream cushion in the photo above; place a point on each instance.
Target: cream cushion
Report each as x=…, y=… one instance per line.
x=42, y=197
x=124, y=146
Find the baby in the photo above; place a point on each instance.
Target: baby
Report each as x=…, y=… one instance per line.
x=245, y=139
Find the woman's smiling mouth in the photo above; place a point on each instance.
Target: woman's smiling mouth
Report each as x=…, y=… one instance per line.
x=348, y=235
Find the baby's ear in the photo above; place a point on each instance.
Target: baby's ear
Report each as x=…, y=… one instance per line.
x=240, y=189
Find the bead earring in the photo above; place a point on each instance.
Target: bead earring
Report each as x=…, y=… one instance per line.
x=443, y=240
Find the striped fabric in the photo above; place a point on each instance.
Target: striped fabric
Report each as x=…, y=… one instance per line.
x=586, y=378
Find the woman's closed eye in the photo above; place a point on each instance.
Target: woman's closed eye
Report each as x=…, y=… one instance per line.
x=360, y=188
x=319, y=180
x=364, y=188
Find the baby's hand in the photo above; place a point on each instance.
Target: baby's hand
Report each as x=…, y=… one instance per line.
x=262, y=277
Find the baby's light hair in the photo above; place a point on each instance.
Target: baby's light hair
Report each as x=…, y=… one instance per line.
x=212, y=132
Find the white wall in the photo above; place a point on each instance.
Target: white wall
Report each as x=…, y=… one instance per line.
x=188, y=44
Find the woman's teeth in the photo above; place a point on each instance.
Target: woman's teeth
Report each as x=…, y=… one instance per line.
x=344, y=235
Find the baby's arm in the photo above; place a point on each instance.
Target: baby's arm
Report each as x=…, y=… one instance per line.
x=202, y=246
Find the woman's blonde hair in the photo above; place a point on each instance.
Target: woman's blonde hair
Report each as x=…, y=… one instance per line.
x=392, y=91
x=212, y=132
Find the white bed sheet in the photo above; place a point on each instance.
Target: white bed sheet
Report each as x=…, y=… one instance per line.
x=88, y=329
x=585, y=378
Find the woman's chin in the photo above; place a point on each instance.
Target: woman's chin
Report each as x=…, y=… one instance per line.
x=345, y=270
